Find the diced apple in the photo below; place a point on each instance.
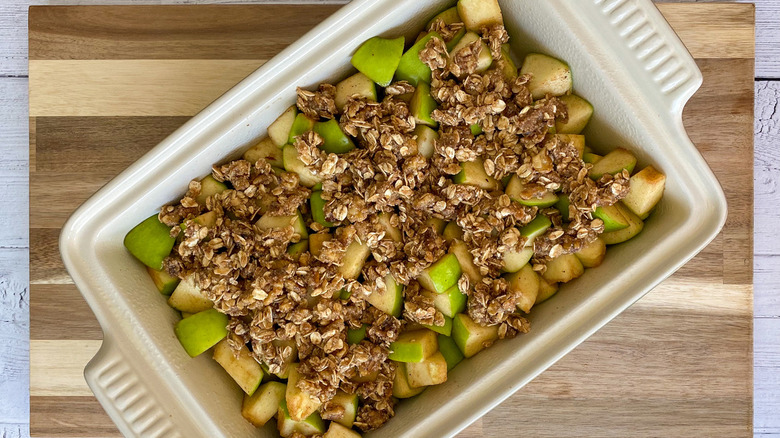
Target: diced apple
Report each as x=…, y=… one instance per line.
x=514, y=260
x=479, y=13
x=270, y=222
x=450, y=303
x=425, y=138
x=437, y=224
x=334, y=139
x=244, y=369
x=391, y=231
x=442, y=274
x=635, y=226
x=165, y=283
x=525, y=283
x=471, y=337
x=646, y=188
x=563, y=206
x=473, y=173
x=612, y=163
x=338, y=431
x=350, y=404
x=466, y=261
x=546, y=290
x=548, y=75
x=354, y=258
x=389, y=300
x=201, y=331
x=378, y=58
x=187, y=297
x=294, y=164
x=612, y=217
x=447, y=16
x=316, y=241
x=299, y=403
x=431, y=371
x=592, y=254
x=508, y=67
x=423, y=104
x=449, y=349
x=357, y=86
x=414, y=346
x=150, y=242
x=452, y=232
x=580, y=112
x=590, y=157
x=577, y=140
x=354, y=336
x=516, y=191
x=208, y=188
x=287, y=426
x=267, y=150
x=279, y=130
x=261, y=406
x=295, y=250
x=563, y=269
x=401, y=387
x=411, y=68
x=536, y=227
x=485, y=59
x=317, y=205
x=445, y=329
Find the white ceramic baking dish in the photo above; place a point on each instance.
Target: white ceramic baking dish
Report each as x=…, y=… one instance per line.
x=626, y=60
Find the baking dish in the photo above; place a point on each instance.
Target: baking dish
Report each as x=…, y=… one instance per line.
x=626, y=61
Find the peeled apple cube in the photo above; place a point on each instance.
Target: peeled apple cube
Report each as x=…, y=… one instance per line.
x=431, y=371
x=401, y=387
x=350, y=404
x=471, y=337
x=525, y=283
x=612, y=163
x=267, y=150
x=646, y=188
x=338, y=431
x=310, y=425
x=546, y=290
x=563, y=269
x=188, y=297
x=548, y=75
x=414, y=346
x=478, y=13
x=244, y=369
x=264, y=403
x=635, y=226
x=357, y=86
x=299, y=403
x=592, y=254
x=580, y=111
x=279, y=130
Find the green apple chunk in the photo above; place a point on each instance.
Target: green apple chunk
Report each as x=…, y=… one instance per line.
x=515, y=190
x=270, y=222
x=354, y=336
x=311, y=425
x=318, y=209
x=295, y=250
x=414, y=346
x=590, y=157
x=450, y=303
x=445, y=329
x=208, y=188
x=350, y=404
x=279, y=130
x=165, y=283
x=447, y=16
x=524, y=283
x=423, y=104
x=378, y=58
x=299, y=403
x=449, y=349
x=466, y=261
x=425, y=138
x=476, y=129
x=354, y=258
x=294, y=164
x=563, y=269
x=473, y=173
x=441, y=275
x=390, y=299
x=301, y=125
x=401, y=387
x=452, y=232
x=391, y=231
x=508, y=67
x=635, y=226
x=563, y=206
x=592, y=254
x=548, y=75
x=356, y=86
x=336, y=430
x=187, y=297
x=261, y=406
x=150, y=242
x=576, y=140
x=514, y=260
x=411, y=68
x=471, y=337
x=244, y=369
x=201, y=331
x=431, y=371
x=646, y=188
x=316, y=241
x=536, y=227
x=546, y=290
x=580, y=112
x=612, y=217
x=479, y=13
x=267, y=150
x=437, y=224
x=612, y=163
x=335, y=141
x=484, y=60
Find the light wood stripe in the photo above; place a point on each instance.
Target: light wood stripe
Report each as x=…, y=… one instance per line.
x=713, y=30
x=144, y=87
x=57, y=367
x=69, y=417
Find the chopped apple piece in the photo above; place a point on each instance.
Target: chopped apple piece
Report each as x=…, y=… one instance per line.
x=401, y=387
x=354, y=336
x=411, y=68
x=316, y=241
x=447, y=16
x=208, y=188
x=287, y=426
x=301, y=125
x=563, y=269
x=445, y=329
x=578, y=141
x=449, y=349
x=442, y=274
x=592, y=254
x=470, y=336
x=269, y=222
x=514, y=260
x=201, y=331
x=517, y=192
x=450, y=303
x=299, y=403
x=378, y=58
x=546, y=290
x=485, y=59
x=295, y=250
x=187, y=297
x=317, y=205
x=244, y=369
x=612, y=217
x=508, y=67
x=590, y=157
x=414, y=346
x=431, y=371
x=165, y=283
x=525, y=283
x=391, y=231
x=548, y=75
x=437, y=224
x=334, y=139
x=389, y=300
x=261, y=406
x=335, y=430
x=466, y=261
x=294, y=164
x=350, y=404
x=425, y=138
x=150, y=242
x=645, y=190
x=612, y=163
x=563, y=206
x=536, y=227
x=354, y=258
x=279, y=130
x=267, y=150
x=452, y=232
x=479, y=13
x=473, y=173
x=580, y=112
x=635, y=226
x=423, y=104
x=357, y=86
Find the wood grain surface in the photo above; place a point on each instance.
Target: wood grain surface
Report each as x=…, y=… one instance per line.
x=678, y=363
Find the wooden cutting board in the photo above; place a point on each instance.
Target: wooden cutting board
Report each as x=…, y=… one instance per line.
x=108, y=83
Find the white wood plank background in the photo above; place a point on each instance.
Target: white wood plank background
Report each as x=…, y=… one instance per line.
x=14, y=243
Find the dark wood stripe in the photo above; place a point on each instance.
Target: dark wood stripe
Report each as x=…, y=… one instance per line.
x=45, y=263
x=55, y=195
x=169, y=32
x=69, y=417
x=59, y=312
